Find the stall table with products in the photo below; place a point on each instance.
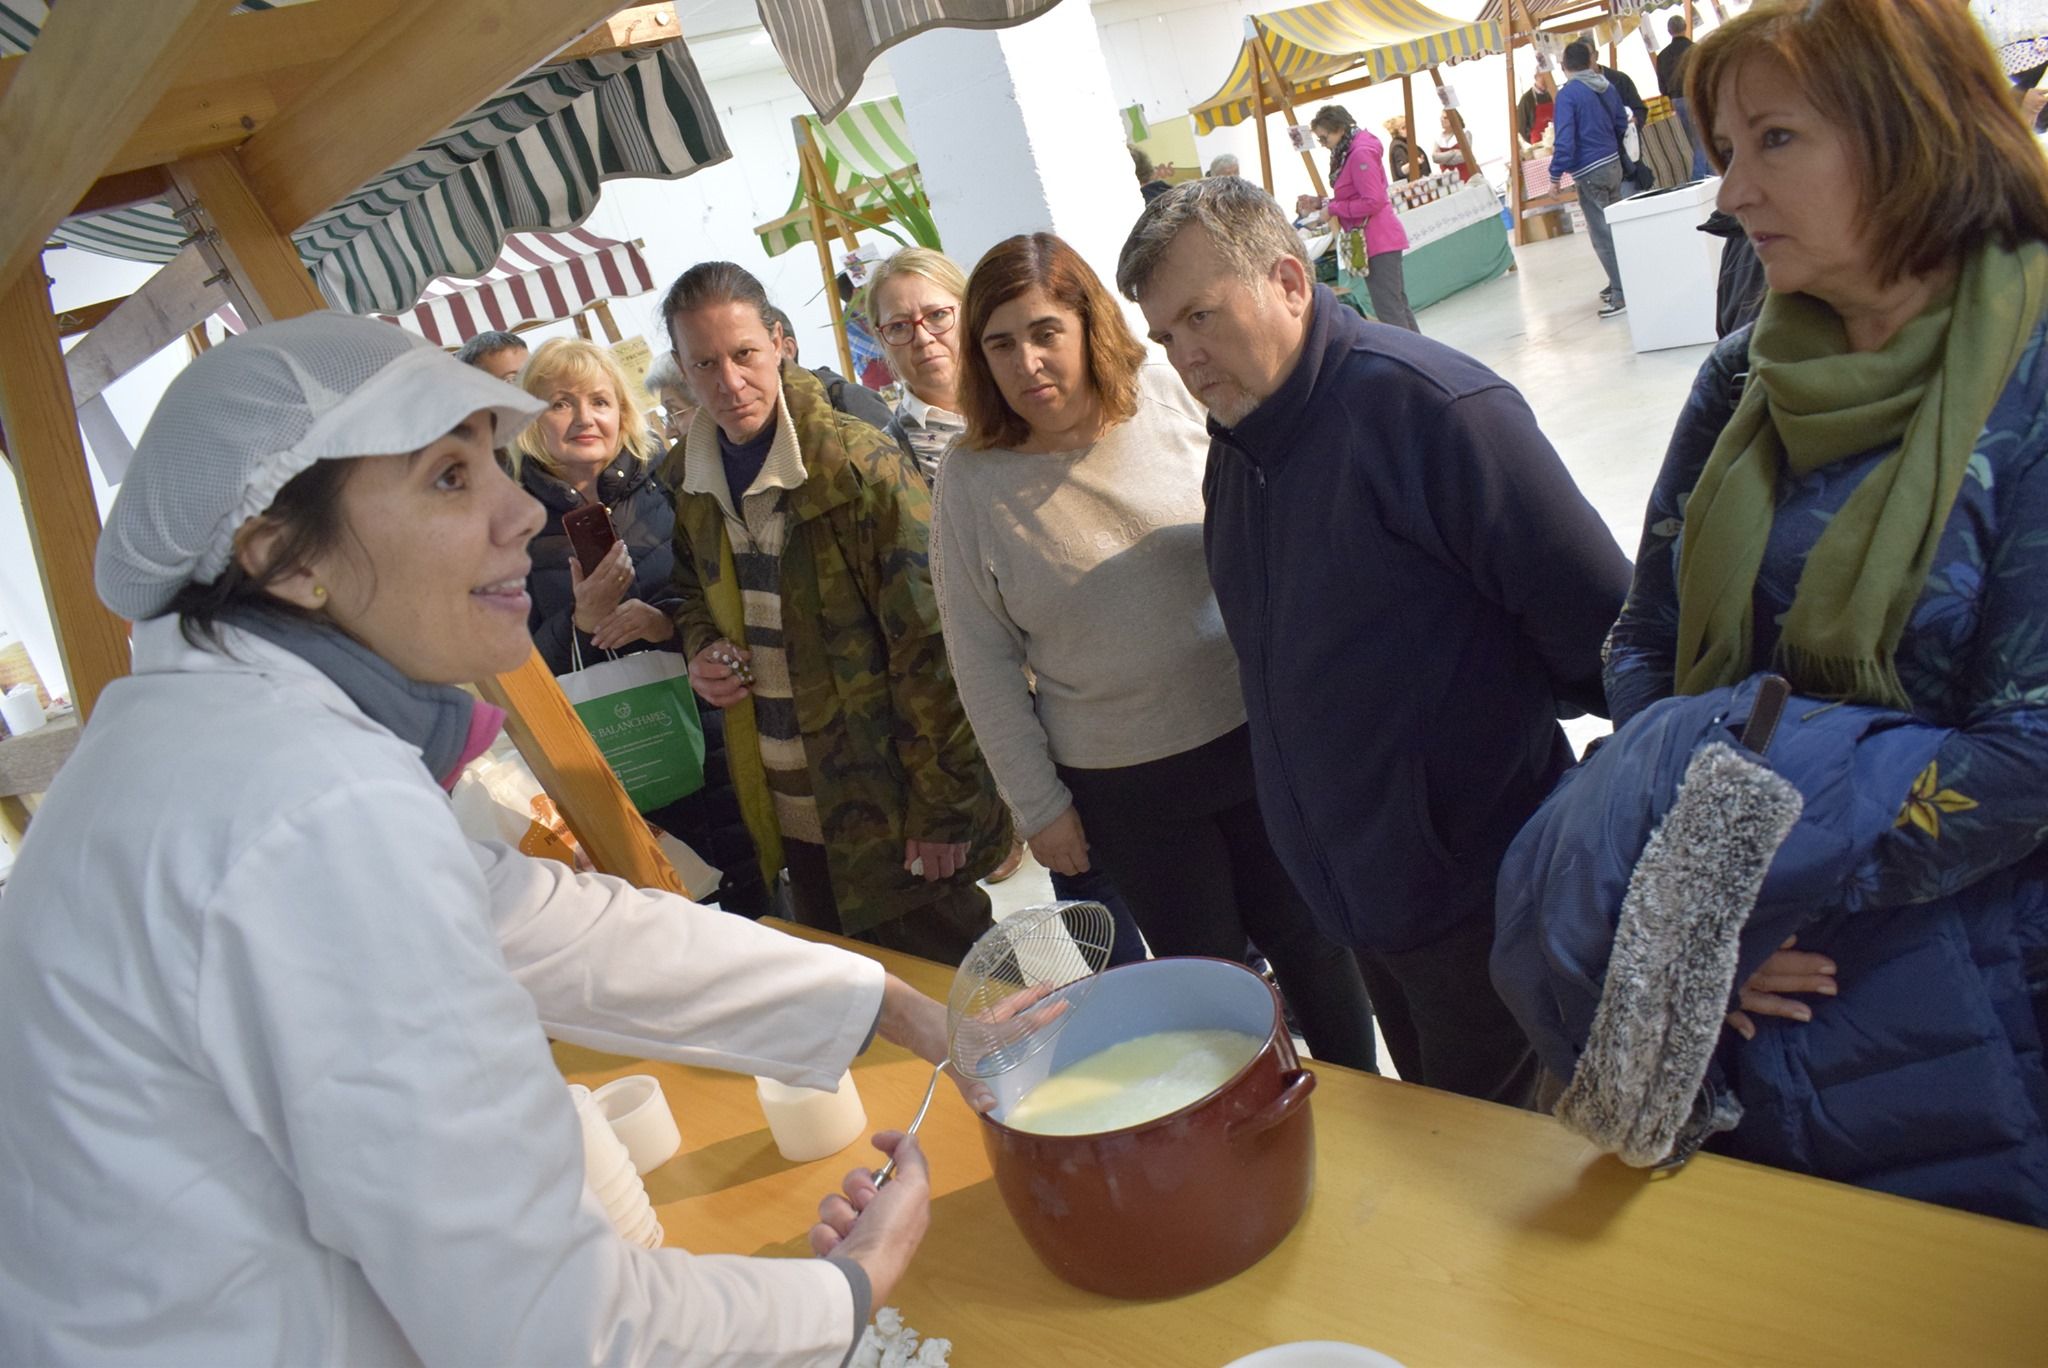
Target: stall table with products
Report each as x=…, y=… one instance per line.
x=1441, y=1231
x=1455, y=236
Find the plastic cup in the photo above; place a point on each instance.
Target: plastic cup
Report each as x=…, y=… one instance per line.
x=808, y=1123
x=640, y=1117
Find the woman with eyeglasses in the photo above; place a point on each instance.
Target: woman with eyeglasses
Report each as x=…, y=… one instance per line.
x=914, y=299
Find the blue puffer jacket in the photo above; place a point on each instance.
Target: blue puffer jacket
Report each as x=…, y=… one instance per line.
x=1924, y=1077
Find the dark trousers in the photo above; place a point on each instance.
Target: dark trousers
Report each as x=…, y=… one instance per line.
x=1184, y=843
x=943, y=931
x=1092, y=885
x=1444, y=1024
x=1389, y=291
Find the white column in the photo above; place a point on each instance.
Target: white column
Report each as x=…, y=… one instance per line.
x=1016, y=131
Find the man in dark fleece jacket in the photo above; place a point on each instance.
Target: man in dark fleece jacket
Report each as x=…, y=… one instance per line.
x=1416, y=591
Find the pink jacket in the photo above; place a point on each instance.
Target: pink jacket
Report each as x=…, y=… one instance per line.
x=1359, y=196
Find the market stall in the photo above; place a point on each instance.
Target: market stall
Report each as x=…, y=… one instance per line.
x=856, y=171
x=1324, y=49
x=1439, y=1230
x=372, y=145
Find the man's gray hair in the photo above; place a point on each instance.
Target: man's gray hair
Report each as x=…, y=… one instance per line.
x=1250, y=230
x=1225, y=165
x=663, y=373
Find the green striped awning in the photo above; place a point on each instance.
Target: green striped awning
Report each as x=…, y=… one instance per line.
x=861, y=146
x=1311, y=46
x=531, y=158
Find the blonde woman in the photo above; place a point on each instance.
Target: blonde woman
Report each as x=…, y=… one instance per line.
x=914, y=300
x=590, y=446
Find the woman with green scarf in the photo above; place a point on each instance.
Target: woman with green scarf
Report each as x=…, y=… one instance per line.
x=1856, y=498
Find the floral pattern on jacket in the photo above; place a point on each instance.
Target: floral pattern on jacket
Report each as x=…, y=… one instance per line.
x=1974, y=656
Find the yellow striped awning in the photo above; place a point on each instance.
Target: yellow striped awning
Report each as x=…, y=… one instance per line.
x=1312, y=45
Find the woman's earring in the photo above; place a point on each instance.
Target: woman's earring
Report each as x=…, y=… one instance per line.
x=320, y=591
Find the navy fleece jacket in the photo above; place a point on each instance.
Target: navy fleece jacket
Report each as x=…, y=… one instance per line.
x=1416, y=591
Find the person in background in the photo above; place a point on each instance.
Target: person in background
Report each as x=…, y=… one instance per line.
x=589, y=446
x=807, y=614
x=1225, y=165
x=1398, y=145
x=916, y=297
x=1415, y=591
x=665, y=382
x=1535, y=110
x=1671, y=64
x=1591, y=122
x=274, y=1075
x=1631, y=98
x=1370, y=237
x=1067, y=542
x=497, y=354
x=853, y=400
x=1151, y=179
x=1449, y=154
x=1855, y=498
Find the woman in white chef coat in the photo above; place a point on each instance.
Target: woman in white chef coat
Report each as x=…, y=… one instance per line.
x=274, y=1081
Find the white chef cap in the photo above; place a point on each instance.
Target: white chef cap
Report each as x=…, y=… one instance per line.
x=251, y=413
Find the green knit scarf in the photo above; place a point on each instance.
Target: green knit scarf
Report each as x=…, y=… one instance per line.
x=1811, y=401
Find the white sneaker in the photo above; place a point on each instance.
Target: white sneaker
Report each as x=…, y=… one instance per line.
x=1613, y=307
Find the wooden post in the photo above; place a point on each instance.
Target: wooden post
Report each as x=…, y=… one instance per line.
x=1258, y=42
x=811, y=167
x=1279, y=91
x=549, y=735
x=605, y=320
x=1514, y=128
x=582, y=322
x=1408, y=113
x=1458, y=122
x=56, y=492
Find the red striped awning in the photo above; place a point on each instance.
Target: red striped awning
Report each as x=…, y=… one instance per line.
x=538, y=278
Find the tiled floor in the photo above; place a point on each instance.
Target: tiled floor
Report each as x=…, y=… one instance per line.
x=1607, y=409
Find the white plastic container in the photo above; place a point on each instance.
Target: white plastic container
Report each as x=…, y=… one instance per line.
x=638, y=1113
x=809, y=1124
x=1669, y=269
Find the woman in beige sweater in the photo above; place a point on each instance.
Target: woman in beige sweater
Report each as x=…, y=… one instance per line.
x=1067, y=538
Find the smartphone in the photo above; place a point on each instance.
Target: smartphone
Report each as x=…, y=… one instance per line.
x=590, y=534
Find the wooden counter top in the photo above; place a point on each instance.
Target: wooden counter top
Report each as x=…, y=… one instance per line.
x=1442, y=1231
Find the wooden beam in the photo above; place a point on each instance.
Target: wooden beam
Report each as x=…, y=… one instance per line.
x=1259, y=106
x=1514, y=127
x=811, y=167
x=121, y=191
x=558, y=748
x=1458, y=123
x=256, y=64
x=86, y=317
x=639, y=27
x=254, y=260
x=169, y=302
x=409, y=80
x=97, y=69
x=1263, y=62
x=1408, y=113
x=56, y=492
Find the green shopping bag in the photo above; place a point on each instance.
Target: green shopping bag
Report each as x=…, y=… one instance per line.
x=641, y=713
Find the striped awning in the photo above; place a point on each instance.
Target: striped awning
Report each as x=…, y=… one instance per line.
x=531, y=158
x=1494, y=11
x=828, y=45
x=539, y=278
x=860, y=147
x=1311, y=46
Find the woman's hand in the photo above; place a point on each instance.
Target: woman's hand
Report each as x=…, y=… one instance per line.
x=879, y=1229
x=1786, y=971
x=918, y=1024
x=1062, y=846
x=603, y=589
x=1307, y=204
x=713, y=676
x=634, y=620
